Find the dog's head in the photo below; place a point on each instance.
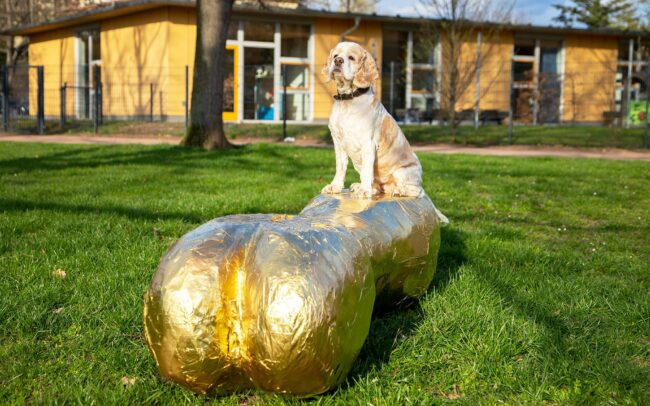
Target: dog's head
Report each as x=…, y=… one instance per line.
x=349, y=62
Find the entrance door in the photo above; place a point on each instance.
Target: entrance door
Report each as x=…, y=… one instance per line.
x=258, y=83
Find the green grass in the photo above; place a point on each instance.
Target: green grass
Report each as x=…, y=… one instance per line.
x=549, y=135
x=541, y=293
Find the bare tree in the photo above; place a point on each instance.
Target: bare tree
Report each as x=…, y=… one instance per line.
x=456, y=24
x=358, y=6
x=15, y=13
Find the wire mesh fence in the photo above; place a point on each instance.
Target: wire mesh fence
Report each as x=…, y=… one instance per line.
x=594, y=94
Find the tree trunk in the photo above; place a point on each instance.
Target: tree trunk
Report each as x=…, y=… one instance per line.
x=206, y=121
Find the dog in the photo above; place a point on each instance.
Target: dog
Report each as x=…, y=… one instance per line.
x=364, y=132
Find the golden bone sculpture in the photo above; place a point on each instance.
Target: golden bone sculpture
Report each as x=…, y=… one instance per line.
x=283, y=303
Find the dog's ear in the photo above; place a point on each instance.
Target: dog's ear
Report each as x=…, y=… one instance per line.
x=367, y=72
x=326, y=69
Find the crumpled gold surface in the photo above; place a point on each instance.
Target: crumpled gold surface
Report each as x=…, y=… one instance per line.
x=283, y=303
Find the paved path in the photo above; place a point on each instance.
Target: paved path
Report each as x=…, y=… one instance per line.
x=501, y=150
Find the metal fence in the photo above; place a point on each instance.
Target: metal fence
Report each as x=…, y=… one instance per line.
x=595, y=94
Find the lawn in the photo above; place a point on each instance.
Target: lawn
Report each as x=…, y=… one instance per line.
x=548, y=135
x=541, y=293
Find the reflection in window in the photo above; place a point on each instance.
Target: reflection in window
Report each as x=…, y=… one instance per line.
x=422, y=103
x=297, y=76
x=525, y=48
x=258, y=31
x=424, y=48
x=423, y=80
x=295, y=40
x=523, y=71
x=297, y=106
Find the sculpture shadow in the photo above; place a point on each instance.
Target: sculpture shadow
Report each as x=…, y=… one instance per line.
x=392, y=325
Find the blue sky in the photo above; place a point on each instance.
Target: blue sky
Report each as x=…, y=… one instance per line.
x=538, y=12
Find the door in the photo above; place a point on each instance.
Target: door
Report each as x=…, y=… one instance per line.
x=258, y=83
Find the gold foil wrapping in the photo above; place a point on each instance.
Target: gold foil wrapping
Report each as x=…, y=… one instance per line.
x=283, y=303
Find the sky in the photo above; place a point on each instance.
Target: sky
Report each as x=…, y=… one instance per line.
x=538, y=12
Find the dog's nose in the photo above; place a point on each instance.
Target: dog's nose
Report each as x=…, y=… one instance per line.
x=338, y=61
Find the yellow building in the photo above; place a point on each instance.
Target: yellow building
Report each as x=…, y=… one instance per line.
x=143, y=51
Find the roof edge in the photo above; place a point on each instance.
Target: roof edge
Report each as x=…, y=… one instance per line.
x=127, y=7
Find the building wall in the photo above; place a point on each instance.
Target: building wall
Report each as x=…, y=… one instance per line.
x=590, y=77
x=494, y=89
x=495, y=72
x=153, y=48
x=181, y=42
x=135, y=60
x=54, y=50
x=326, y=33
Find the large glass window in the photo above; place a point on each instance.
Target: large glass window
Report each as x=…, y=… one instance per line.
x=258, y=84
x=424, y=45
x=537, y=80
x=259, y=31
x=295, y=40
x=393, y=70
x=297, y=106
x=423, y=81
x=297, y=76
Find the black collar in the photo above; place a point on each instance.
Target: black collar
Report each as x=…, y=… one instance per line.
x=349, y=96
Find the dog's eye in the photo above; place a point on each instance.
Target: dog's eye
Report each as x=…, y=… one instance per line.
x=351, y=58
x=335, y=55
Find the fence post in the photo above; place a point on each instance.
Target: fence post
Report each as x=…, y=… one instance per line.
x=187, y=85
x=5, y=98
x=478, y=79
x=101, y=102
x=62, y=106
x=511, y=114
x=284, y=101
x=96, y=110
x=647, y=101
x=628, y=85
x=151, y=102
x=40, y=113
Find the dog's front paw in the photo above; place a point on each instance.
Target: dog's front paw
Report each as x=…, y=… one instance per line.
x=362, y=192
x=355, y=187
x=331, y=189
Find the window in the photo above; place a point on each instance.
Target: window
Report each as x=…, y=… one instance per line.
x=523, y=71
x=525, y=48
x=423, y=81
x=424, y=45
x=393, y=70
x=259, y=31
x=295, y=40
x=297, y=76
x=537, y=75
x=297, y=106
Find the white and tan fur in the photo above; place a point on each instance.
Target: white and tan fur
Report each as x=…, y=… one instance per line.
x=364, y=132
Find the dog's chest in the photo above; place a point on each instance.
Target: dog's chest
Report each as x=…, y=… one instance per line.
x=353, y=125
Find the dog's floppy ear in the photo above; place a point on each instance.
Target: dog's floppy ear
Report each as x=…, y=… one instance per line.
x=367, y=72
x=326, y=69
